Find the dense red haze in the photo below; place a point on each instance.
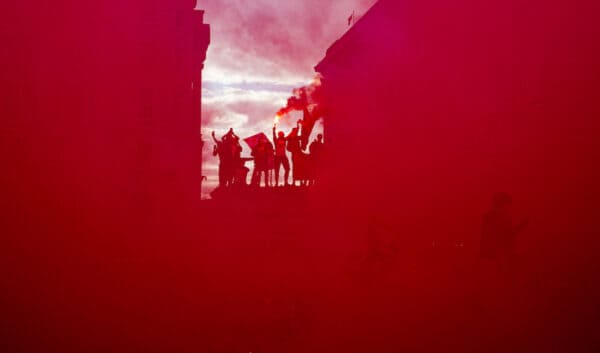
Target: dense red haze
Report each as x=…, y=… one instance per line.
x=434, y=113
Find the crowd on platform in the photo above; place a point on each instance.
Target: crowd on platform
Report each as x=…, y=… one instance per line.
x=269, y=158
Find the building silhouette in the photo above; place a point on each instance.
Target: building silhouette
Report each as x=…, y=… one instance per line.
x=101, y=152
x=105, y=99
x=433, y=107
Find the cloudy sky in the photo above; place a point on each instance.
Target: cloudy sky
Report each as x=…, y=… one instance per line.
x=260, y=50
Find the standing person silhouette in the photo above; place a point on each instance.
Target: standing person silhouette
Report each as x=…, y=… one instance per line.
x=279, y=141
x=221, y=149
x=294, y=145
x=239, y=171
x=261, y=159
x=316, y=151
x=270, y=152
x=498, y=233
x=316, y=147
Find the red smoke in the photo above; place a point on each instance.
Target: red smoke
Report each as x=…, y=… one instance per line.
x=307, y=97
x=102, y=251
x=309, y=100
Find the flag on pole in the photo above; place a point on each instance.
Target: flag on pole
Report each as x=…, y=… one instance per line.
x=252, y=141
x=351, y=18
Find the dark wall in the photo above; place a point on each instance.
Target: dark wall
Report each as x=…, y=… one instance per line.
x=100, y=151
x=434, y=107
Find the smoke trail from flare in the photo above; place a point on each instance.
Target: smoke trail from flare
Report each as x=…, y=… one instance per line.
x=306, y=99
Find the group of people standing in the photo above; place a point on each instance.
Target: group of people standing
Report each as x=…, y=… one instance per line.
x=269, y=158
x=231, y=164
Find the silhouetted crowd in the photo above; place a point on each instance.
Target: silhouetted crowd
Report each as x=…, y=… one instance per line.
x=231, y=165
x=269, y=158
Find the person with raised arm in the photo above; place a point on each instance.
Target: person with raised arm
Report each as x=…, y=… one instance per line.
x=280, y=142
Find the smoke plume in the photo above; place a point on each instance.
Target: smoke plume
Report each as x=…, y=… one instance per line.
x=309, y=100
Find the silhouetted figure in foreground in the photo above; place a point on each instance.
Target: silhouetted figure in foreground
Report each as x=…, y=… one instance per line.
x=499, y=234
x=281, y=158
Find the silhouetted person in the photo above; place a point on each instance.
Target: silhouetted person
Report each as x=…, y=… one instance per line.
x=221, y=149
x=294, y=145
x=270, y=161
x=498, y=235
x=261, y=161
x=240, y=171
x=316, y=155
x=316, y=147
x=226, y=149
x=281, y=158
